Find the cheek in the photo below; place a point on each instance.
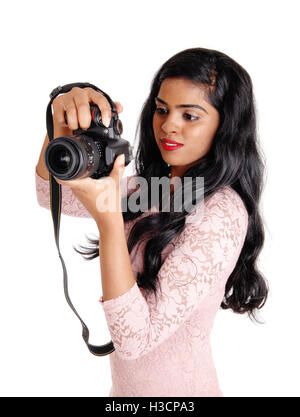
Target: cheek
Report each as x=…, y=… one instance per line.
x=199, y=138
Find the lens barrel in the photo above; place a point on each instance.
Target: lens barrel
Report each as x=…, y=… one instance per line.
x=68, y=157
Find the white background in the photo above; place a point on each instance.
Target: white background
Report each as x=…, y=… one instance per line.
x=119, y=46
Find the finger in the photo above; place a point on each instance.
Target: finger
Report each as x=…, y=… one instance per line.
x=71, y=111
x=61, y=182
x=69, y=183
x=79, y=182
x=119, y=106
x=121, y=160
x=59, y=111
x=83, y=110
x=119, y=166
x=103, y=105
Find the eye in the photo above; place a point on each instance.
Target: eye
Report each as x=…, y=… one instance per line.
x=191, y=117
x=160, y=110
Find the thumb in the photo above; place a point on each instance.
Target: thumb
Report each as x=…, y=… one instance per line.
x=121, y=161
x=119, y=165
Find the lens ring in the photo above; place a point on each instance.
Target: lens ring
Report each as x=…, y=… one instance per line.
x=61, y=159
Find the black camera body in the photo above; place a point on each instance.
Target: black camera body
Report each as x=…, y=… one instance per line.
x=90, y=152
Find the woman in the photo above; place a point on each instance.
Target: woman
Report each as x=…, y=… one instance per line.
x=202, y=100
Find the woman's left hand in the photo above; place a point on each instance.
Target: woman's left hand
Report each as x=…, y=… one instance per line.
x=101, y=197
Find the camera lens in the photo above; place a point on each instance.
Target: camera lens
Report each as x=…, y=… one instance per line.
x=60, y=159
x=69, y=157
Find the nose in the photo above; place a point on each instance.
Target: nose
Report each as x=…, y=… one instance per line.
x=170, y=124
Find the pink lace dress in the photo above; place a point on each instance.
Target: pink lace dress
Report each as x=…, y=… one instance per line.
x=162, y=347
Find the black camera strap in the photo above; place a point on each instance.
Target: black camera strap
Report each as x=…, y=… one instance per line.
x=56, y=201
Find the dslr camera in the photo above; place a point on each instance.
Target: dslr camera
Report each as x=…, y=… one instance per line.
x=90, y=152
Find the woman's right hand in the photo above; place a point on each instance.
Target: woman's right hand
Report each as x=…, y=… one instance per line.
x=76, y=104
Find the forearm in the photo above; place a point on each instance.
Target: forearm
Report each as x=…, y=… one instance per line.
x=116, y=271
x=41, y=167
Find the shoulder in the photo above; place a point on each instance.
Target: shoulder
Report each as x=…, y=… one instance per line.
x=228, y=199
x=218, y=227
x=223, y=206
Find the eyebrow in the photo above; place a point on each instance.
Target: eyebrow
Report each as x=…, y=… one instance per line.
x=182, y=105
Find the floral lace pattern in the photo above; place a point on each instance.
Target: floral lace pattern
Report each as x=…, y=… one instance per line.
x=70, y=206
x=162, y=347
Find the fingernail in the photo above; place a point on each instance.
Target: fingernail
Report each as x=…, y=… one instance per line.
x=122, y=159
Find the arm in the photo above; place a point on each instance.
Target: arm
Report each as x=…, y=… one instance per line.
x=204, y=256
x=71, y=206
x=117, y=276
x=41, y=169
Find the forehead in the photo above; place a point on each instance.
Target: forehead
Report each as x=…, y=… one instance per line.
x=180, y=91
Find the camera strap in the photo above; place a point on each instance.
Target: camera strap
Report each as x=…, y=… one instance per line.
x=55, y=203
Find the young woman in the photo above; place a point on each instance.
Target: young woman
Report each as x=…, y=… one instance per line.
x=164, y=277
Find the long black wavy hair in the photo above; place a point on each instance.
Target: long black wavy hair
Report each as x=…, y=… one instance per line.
x=234, y=160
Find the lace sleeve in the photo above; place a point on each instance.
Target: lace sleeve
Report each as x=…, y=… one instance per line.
x=204, y=256
x=71, y=206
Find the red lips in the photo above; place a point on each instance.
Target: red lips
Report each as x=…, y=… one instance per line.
x=170, y=145
x=171, y=141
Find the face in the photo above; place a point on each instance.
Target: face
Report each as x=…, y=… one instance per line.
x=193, y=127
